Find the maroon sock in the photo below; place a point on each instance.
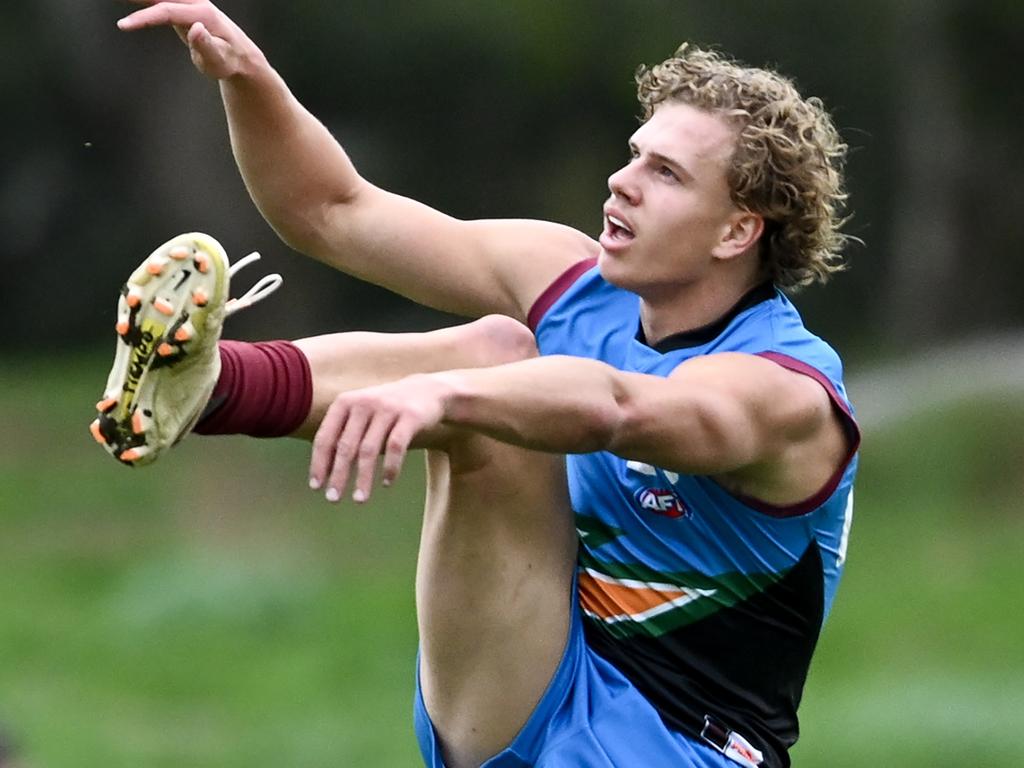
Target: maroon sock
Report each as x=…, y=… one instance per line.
x=265, y=389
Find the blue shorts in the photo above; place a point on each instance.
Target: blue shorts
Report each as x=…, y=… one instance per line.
x=589, y=717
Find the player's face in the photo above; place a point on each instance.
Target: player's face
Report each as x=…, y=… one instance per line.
x=669, y=208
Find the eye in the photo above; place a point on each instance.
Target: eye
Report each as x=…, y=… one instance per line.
x=667, y=173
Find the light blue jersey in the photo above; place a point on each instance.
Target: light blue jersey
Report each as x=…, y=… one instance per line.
x=696, y=611
x=710, y=603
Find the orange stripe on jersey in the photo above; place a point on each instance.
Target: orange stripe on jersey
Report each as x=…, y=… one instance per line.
x=595, y=600
x=612, y=600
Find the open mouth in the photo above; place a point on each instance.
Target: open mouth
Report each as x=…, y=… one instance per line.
x=618, y=229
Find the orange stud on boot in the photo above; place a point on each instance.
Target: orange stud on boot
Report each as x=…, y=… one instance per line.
x=163, y=306
x=106, y=404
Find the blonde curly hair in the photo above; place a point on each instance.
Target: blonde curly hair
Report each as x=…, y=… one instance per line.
x=788, y=163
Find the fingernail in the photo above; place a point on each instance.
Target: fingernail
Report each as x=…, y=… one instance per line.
x=359, y=496
x=314, y=484
x=332, y=494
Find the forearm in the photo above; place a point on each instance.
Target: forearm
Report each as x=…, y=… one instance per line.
x=294, y=169
x=556, y=404
x=308, y=190
x=732, y=416
x=306, y=187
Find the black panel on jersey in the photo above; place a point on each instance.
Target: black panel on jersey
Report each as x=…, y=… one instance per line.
x=711, y=331
x=745, y=665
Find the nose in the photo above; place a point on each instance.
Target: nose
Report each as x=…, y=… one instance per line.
x=623, y=184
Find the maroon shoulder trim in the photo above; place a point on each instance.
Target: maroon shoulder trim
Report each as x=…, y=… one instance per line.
x=554, y=291
x=852, y=435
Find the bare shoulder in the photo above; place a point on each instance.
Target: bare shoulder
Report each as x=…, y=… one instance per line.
x=790, y=397
x=468, y=267
x=798, y=431
x=531, y=254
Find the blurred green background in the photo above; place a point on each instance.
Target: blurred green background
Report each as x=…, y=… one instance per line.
x=210, y=611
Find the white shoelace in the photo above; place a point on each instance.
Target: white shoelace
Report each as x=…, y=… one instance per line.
x=265, y=286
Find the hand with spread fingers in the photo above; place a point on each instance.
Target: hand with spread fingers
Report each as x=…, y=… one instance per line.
x=219, y=48
x=362, y=424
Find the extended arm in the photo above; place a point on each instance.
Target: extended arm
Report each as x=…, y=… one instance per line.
x=307, y=188
x=761, y=430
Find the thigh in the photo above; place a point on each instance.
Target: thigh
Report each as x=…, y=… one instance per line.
x=590, y=716
x=494, y=591
x=498, y=546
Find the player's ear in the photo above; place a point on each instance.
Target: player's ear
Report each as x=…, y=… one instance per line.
x=739, y=234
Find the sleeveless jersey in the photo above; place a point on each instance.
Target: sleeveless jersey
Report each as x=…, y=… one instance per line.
x=709, y=603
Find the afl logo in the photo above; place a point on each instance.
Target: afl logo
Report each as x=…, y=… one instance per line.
x=661, y=501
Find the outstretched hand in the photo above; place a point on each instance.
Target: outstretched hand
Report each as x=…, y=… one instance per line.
x=363, y=424
x=219, y=47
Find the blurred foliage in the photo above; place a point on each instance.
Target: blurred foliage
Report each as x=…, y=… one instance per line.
x=193, y=615
x=112, y=143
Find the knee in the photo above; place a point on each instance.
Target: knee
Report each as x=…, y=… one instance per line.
x=502, y=339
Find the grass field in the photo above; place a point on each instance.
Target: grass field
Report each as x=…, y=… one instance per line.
x=211, y=611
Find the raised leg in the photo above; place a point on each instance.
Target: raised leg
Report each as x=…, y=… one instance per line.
x=498, y=545
x=493, y=591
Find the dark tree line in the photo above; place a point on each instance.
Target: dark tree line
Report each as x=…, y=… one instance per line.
x=111, y=143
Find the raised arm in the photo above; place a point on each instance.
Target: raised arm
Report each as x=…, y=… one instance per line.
x=307, y=188
x=760, y=429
